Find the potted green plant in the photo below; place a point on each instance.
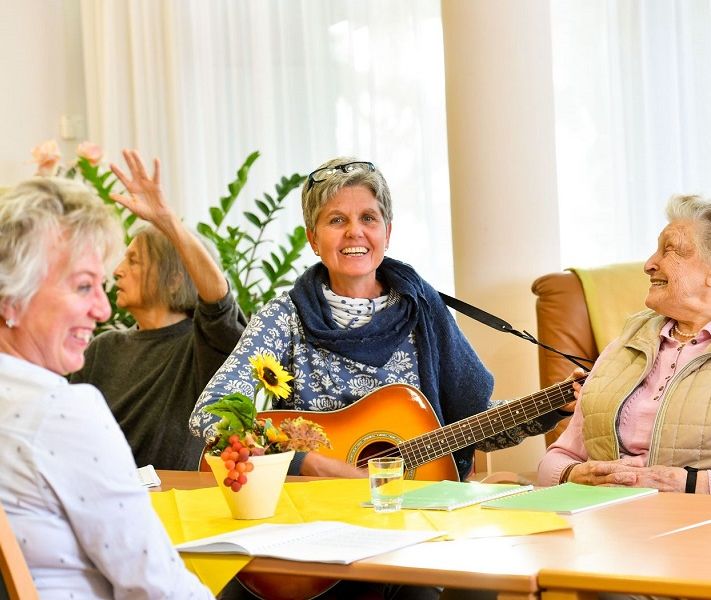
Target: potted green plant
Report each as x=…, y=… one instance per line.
x=256, y=275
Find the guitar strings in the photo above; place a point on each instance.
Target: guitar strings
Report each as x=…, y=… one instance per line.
x=432, y=445
x=393, y=452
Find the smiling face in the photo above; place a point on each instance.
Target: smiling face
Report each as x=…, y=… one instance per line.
x=351, y=237
x=680, y=277
x=56, y=327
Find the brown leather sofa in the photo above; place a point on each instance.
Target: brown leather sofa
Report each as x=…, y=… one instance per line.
x=563, y=319
x=563, y=323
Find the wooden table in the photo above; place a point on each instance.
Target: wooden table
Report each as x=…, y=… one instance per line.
x=609, y=549
x=673, y=562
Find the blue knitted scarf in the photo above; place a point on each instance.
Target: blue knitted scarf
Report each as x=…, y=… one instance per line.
x=375, y=342
x=452, y=377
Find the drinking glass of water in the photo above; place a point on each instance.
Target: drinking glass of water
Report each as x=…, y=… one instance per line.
x=386, y=483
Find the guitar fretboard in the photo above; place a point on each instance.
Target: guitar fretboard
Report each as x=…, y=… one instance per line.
x=431, y=446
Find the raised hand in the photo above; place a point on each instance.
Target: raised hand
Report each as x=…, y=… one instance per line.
x=145, y=197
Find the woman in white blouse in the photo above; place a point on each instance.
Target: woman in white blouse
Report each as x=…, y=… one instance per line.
x=68, y=481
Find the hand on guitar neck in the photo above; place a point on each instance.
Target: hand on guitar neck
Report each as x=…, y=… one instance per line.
x=319, y=465
x=576, y=374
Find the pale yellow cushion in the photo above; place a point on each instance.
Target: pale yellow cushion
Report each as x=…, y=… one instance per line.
x=612, y=293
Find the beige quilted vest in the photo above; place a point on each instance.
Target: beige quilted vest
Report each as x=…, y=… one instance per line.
x=682, y=429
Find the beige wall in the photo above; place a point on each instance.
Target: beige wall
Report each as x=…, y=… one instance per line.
x=41, y=66
x=503, y=181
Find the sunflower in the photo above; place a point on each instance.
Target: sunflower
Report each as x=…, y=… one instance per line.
x=271, y=375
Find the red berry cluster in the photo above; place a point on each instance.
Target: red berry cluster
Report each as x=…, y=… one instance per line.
x=236, y=457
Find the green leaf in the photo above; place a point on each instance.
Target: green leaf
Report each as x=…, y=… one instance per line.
x=272, y=203
x=237, y=410
x=268, y=270
x=217, y=215
x=263, y=207
x=253, y=219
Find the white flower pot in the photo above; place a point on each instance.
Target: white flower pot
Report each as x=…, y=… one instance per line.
x=259, y=497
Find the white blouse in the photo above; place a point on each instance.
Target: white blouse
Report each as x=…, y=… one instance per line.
x=69, y=486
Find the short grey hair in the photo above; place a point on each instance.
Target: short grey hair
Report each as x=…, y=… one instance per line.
x=697, y=209
x=33, y=216
x=315, y=196
x=166, y=280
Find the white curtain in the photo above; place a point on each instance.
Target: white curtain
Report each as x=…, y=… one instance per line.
x=202, y=84
x=633, y=125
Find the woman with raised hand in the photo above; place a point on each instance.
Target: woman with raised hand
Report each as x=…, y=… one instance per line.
x=68, y=481
x=187, y=323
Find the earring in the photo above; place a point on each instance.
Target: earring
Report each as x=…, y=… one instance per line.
x=316, y=253
x=10, y=323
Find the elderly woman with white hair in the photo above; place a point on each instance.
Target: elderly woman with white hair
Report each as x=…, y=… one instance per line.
x=642, y=418
x=68, y=482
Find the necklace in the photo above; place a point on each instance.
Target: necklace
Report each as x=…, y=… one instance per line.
x=681, y=334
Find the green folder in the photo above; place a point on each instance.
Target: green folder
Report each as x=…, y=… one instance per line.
x=449, y=495
x=569, y=498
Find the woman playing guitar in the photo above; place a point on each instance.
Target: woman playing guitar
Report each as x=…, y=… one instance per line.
x=357, y=321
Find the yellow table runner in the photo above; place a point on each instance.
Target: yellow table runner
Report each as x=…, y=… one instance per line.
x=192, y=514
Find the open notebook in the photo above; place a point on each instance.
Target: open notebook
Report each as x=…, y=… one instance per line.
x=317, y=541
x=569, y=498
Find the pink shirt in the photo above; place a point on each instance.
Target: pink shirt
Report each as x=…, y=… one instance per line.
x=634, y=429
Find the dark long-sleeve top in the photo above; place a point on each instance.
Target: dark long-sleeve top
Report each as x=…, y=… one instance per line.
x=152, y=378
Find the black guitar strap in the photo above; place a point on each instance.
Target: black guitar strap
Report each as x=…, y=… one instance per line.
x=500, y=325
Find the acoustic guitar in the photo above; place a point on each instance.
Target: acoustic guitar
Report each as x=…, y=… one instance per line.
x=397, y=420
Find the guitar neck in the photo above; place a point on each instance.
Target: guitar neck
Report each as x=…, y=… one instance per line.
x=435, y=444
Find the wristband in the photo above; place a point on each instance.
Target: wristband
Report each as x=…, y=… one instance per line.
x=566, y=472
x=691, y=474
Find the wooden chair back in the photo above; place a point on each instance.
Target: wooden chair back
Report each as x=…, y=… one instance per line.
x=16, y=576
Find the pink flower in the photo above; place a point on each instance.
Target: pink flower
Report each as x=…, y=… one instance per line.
x=47, y=156
x=91, y=152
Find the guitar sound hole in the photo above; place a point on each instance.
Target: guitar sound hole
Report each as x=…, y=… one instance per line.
x=376, y=449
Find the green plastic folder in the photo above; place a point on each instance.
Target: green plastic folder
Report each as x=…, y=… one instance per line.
x=569, y=498
x=449, y=495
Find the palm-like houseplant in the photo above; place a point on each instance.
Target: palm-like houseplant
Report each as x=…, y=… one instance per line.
x=255, y=275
